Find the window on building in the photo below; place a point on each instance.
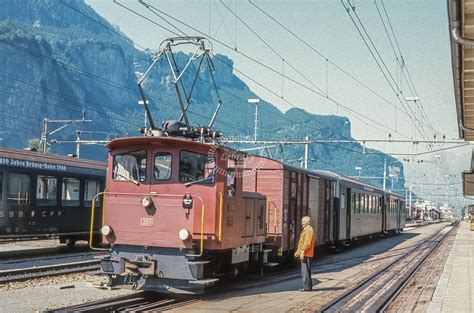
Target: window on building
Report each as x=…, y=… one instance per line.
x=70, y=192
x=91, y=188
x=196, y=167
x=46, y=190
x=18, y=188
x=162, y=168
x=130, y=166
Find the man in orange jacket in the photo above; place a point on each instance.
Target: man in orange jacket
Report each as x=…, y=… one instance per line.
x=305, y=252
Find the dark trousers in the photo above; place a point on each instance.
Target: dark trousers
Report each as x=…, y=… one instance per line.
x=306, y=273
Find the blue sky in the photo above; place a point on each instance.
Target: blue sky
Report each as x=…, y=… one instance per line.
x=420, y=26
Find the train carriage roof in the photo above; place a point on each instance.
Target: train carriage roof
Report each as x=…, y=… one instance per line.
x=40, y=161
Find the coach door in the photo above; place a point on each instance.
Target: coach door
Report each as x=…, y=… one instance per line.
x=399, y=208
x=342, y=225
x=18, y=202
x=385, y=201
x=350, y=205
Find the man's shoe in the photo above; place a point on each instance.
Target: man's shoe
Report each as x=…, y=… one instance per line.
x=304, y=289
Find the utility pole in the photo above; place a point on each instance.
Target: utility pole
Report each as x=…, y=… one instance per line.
x=384, y=173
x=306, y=152
x=78, y=144
x=410, y=205
x=256, y=102
x=45, y=134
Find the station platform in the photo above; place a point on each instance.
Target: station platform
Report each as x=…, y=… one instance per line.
x=455, y=289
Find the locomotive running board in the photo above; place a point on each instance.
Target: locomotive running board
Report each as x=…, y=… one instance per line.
x=204, y=282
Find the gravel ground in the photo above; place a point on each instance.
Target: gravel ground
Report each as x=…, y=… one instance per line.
x=52, y=293
x=28, y=245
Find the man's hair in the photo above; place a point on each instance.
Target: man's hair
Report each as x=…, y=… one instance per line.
x=306, y=219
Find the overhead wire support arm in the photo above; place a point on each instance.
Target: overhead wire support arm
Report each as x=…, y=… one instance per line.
x=45, y=134
x=219, y=101
x=142, y=93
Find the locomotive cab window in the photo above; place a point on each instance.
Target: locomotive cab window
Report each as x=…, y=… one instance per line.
x=130, y=166
x=46, y=188
x=162, y=167
x=70, y=192
x=231, y=182
x=92, y=187
x=196, y=167
x=18, y=188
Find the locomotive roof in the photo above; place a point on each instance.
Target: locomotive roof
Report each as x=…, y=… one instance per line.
x=39, y=157
x=151, y=140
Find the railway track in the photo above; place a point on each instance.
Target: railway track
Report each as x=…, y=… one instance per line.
x=149, y=301
x=377, y=292
x=139, y=302
x=26, y=273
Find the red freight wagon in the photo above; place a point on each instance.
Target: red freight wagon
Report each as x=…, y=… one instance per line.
x=291, y=194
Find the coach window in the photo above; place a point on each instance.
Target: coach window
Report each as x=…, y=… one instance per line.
x=162, y=168
x=353, y=202
x=46, y=187
x=196, y=167
x=18, y=188
x=70, y=192
x=130, y=166
x=92, y=187
x=366, y=204
x=358, y=203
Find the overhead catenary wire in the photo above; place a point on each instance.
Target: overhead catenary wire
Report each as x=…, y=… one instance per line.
x=327, y=59
x=379, y=60
x=359, y=115
x=401, y=54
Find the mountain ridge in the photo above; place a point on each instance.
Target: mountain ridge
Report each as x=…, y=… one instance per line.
x=57, y=63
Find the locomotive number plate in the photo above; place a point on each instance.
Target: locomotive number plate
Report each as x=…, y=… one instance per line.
x=147, y=222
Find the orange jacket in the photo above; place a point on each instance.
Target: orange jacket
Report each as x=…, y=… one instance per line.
x=306, y=242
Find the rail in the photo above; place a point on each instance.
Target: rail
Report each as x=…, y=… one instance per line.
x=151, y=195
x=355, y=298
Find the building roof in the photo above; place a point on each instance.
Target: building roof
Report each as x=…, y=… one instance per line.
x=461, y=27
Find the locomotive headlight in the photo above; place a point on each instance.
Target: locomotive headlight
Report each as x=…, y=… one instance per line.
x=146, y=202
x=184, y=234
x=106, y=230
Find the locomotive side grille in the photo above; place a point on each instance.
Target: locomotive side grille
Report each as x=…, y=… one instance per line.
x=107, y=266
x=194, y=270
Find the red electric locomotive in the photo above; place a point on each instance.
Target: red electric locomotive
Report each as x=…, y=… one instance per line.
x=175, y=212
x=176, y=215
